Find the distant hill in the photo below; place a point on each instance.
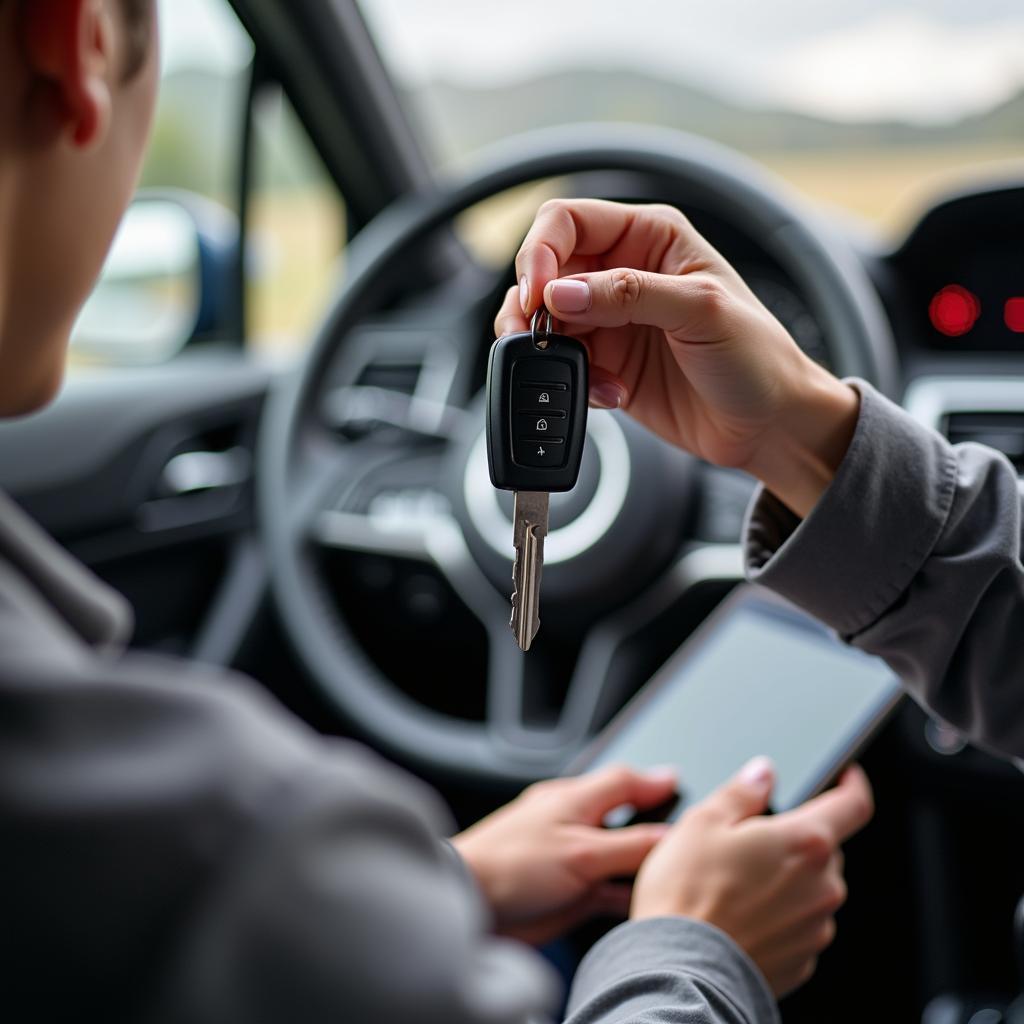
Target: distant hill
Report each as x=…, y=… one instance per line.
x=198, y=131
x=460, y=119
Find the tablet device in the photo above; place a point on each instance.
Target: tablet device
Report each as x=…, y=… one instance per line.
x=757, y=677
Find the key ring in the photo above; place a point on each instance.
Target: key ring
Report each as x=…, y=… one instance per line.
x=541, y=338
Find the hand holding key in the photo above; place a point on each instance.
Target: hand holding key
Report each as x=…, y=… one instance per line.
x=676, y=338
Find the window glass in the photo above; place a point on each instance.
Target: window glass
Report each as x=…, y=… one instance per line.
x=865, y=105
x=155, y=291
x=297, y=231
x=141, y=312
x=197, y=134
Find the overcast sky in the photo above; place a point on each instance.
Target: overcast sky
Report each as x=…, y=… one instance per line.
x=922, y=60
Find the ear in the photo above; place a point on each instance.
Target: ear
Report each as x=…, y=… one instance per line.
x=70, y=45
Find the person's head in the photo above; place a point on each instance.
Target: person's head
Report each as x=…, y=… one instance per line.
x=77, y=90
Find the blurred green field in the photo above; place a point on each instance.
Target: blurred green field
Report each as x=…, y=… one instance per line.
x=887, y=189
x=300, y=232
x=890, y=188
x=297, y=238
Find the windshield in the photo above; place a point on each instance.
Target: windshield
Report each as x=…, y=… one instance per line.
x=867, y=105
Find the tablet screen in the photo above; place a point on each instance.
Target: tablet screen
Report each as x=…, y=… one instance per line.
x=761, y=678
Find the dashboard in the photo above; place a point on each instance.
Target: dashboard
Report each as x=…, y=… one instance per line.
x=960, y=273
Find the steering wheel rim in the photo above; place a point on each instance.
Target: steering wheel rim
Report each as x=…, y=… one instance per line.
x=822, y=266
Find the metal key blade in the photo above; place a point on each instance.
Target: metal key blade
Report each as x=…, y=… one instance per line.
x=531, y=527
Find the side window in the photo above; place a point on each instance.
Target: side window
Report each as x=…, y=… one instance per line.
x=172, y=273
x=197, y=137
x=297, y=230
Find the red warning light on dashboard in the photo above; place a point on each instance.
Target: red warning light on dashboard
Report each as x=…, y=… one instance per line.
x=954, y=310
x=1014, y=314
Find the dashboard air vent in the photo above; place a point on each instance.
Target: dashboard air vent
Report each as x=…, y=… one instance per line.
x=1003, y=431
x=401, y=377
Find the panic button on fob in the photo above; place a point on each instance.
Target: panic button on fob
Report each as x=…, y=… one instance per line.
x=539, y=451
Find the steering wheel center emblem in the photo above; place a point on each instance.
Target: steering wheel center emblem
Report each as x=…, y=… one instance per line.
x=587, y=528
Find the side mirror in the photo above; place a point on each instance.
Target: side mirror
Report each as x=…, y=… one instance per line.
x=166, y=282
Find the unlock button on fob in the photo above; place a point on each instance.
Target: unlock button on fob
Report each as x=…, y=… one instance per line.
x=536, y=423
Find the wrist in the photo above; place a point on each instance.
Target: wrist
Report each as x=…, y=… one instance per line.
x=475, y=863
x=800, y=454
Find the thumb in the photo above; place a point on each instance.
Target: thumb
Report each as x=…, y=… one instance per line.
x=744, y=795
x=693, y=305
x=588, y=798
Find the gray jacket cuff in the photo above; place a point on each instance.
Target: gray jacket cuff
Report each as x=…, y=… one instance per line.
x=675, y=962
x=872, y=529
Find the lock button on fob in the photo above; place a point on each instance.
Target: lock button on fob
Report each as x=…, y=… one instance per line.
x=543, y=397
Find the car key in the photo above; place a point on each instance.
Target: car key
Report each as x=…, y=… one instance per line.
x=537, y=399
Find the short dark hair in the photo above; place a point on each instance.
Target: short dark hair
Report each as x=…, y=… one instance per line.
x=138, y=21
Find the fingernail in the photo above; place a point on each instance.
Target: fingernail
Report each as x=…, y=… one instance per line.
x=570, y=296
x=607, y=394
x=524, y=293
x=663, y=773
x=759, y=772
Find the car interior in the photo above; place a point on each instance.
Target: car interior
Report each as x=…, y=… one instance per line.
x=271, y=439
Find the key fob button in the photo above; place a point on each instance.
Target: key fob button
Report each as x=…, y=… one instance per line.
x=535, y=423
x=539, y=452
x=556, y=373
x=538, y=395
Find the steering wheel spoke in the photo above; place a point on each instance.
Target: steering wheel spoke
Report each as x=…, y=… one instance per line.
x=395, y=524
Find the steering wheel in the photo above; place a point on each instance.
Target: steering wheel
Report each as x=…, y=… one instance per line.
x=604, y=531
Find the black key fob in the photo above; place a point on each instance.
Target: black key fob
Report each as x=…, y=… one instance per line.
x=537, y=400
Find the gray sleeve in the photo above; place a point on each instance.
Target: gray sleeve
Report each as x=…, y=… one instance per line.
x=669, y=970
x=350, y=907
x=187, y=851
x=913, y=554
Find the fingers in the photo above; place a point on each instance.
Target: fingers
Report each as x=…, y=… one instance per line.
x=840, y=812
x=561, y=230
x=588, y=798
x=606, y=390
x=603, y=900
x=510, y=318
x=601, y=854
x=692, y=306
x=805, y=940
x=567, y=233
x=793, y=955
x=790, y=978
x=744, y=795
